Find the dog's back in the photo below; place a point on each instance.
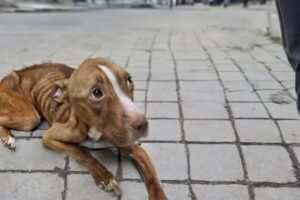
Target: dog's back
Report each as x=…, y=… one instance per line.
x=36, y=84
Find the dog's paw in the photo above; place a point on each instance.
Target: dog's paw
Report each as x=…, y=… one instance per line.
x=9, y=142
x=111, y=186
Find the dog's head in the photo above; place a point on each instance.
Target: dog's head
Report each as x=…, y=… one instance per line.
x=101, y=94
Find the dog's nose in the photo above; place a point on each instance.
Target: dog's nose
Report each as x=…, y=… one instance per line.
x=140, y=124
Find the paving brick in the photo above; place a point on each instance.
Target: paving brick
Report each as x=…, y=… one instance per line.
x=290, y=130
x=242, y=96
x=259, y=76
x=173, y=191
x=257, y=131
x=196, y=110
x=248, y=110
x=277, y=193
x=209, y=130
x=266, y=85
x=237, y=86
x=82, y=186
x=221, y=192
x=169, y=160
x=198, y=96
x=168, y=130
x=223, y=159
x=139, y=95
x=297, y=152
x=108, y=158
x=33, y=186
x=26, y=155
x=140, y=85
x=268, y=163
x=232, y=76
x=284, y=76
x=154, y=85
x=202, y=86
x=162, y=110
x=199, y=76
x=283, y=111
x=156, y=95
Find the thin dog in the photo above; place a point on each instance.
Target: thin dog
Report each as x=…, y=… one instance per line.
x=93, y=101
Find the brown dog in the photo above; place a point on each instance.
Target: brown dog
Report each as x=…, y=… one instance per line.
x=92, y=101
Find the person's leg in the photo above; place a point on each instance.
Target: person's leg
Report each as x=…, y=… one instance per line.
x=289, y=15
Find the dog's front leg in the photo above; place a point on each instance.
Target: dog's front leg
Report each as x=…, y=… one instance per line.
x=59, y=138
x=147, y=171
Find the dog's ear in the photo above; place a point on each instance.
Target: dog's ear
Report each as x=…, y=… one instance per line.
x=60, y=93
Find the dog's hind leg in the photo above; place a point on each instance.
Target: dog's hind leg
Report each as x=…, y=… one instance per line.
x=16, y=112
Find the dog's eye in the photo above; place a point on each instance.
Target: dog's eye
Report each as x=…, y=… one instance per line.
x=129, y=82
x=97, y=94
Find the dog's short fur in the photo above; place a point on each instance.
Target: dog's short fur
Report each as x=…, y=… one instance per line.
x=94, y=100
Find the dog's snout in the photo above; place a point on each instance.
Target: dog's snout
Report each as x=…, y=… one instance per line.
x=140, y=124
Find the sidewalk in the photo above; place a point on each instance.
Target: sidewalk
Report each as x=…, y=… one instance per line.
x=218, y=93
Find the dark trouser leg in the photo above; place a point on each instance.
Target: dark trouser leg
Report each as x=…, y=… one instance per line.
x=289, y=14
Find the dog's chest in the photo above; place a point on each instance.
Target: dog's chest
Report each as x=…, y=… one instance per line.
x=95, y=140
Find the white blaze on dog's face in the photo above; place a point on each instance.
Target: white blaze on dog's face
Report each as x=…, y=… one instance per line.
x=101, y=93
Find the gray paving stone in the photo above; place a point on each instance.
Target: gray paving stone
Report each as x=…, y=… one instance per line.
x=259, y=76
x=227, y=67
x=283, y=111
x=38, y=133
x=266, y=95
x=26, y=155
x=237, y=86
x=290, y=130
x=284, y=76
x=250, y=67
x=129, y=170
x=33, y=186
x=169, y=160
x=232, y=76
x=139, y=95
x=140, y=85
x=221, y=192
x=173, y=191
x=257, y=131
x=192, y=65
x=158, y=76
x=266, y=85
x=268, y=163
x=199, y=76
x=196, y=110
x=208, y=86
x=277, y=193
x=21, y=133
x=155, y=85
x=168, y=130
x=162, y=110
x=197, y=96
x=157, y=95
x=82, y=186
x=108, y=158
x=209, y=131
x=223, y=159
x=297, y=152
x=242, y=96
x=248, y=110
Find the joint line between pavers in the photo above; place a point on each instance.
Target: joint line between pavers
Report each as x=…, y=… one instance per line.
x=192, y=193
x=231, y=118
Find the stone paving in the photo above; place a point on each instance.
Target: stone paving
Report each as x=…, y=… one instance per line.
x=218, y=93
